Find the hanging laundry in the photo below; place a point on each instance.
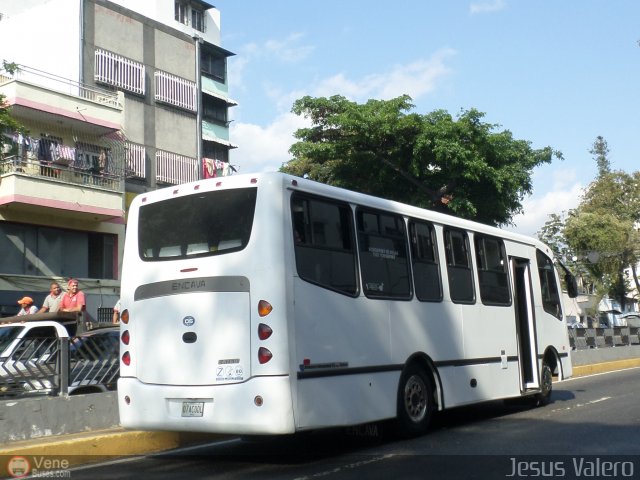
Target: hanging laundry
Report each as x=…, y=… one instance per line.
x=208, y=168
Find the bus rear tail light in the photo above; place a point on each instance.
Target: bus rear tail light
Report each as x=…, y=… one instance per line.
x=124, y=316
x=264, y=308
x=126, y=358
x=264, y=355
x=264, y=331
x=125, y=337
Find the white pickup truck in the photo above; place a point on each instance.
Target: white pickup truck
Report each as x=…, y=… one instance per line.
x=26, y=355
x=31, y=359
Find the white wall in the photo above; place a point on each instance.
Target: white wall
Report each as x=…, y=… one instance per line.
x=163, y=11
x=42, y=34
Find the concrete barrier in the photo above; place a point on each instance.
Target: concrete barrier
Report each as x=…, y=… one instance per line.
x=34, y=417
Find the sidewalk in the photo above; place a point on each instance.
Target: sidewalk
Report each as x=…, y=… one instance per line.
x=101, y=445
x=94, y=447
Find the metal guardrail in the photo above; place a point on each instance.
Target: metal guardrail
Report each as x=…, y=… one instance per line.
x=583, y=338
x=57, y=366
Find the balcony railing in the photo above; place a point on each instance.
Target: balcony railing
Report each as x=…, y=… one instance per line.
x=62, y=173
x=136, y=160
x=175, y=169
x=62, y=85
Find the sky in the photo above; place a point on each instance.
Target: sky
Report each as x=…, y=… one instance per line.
x=554, y=73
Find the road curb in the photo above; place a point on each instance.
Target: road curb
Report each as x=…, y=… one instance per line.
x=582, y=370
x=100, y=445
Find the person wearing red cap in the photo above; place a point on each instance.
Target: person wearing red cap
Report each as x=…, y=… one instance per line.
x=73, y=300
x=27, y=305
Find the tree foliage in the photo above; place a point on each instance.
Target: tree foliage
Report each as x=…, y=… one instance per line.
x=600, y=152
x=602, y=232
x=604, y=229
x=462, y=165
x=7, y=122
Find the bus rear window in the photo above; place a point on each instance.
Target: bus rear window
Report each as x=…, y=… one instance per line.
x=208, y=223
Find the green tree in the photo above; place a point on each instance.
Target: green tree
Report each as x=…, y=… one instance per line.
x=7, y=123
x=461, y=165
x=553, y=234
x=604, y=229
x=600, y=152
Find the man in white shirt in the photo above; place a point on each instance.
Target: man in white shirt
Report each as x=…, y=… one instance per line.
x=27, y=305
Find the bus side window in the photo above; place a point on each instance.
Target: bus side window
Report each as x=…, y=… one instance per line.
x=492, y=271
x=548, y=285
x=456, y=243
x=384, y=261
x=324, y=250
x=426, y=269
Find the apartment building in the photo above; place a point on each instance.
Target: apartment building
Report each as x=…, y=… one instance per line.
x=118, y=98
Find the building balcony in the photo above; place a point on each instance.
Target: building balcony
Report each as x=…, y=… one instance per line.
x=70, y=159
x=29, y=187
x=38, y=97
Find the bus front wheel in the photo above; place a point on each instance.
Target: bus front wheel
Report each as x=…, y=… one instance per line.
x=415, y=402
x=546, y=385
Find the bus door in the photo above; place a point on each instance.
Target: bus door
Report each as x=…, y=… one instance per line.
x=525, y=323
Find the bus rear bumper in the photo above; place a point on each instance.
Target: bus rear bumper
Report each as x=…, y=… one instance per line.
x=261, y=405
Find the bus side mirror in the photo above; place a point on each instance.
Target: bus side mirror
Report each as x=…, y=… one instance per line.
x=572, y=285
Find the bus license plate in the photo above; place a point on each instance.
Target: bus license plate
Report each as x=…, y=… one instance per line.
x=192, y=409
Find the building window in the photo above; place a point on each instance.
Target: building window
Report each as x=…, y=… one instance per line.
x=197, y=19
x=216, y=151
x=382, y=241
x=214, y=109
x=214, y=65
x=176, y=91
x=175, y=169
x=119, y=72
x=493, y=275
x=39, y=251
x=188, y=14
x=181, y=11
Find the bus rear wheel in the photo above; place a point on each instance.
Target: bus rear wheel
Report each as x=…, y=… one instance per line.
x=415, y=402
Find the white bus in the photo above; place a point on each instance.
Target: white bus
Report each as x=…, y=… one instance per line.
x=271, y=304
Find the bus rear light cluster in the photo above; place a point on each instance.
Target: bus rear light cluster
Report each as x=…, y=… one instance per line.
x=125, y=337
x=264, y=355
x=264, y=308
x=264, y=331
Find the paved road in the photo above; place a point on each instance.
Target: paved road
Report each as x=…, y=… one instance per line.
x=591, y=423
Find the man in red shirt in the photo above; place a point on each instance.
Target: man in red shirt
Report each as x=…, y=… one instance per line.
x=73, y=300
